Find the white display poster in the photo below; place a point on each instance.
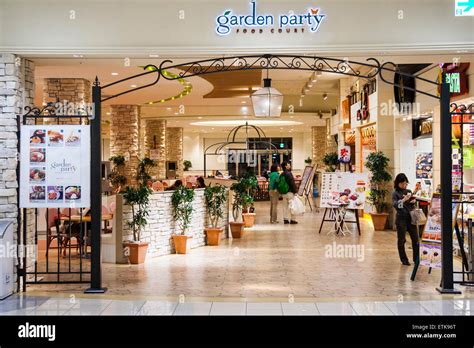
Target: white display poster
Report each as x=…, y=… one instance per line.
x=346, y=188
x=55, y=166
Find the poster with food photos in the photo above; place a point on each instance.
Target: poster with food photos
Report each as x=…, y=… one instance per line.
x=430, y=255
x=344, y=188
x=424, y=165
x=432, y=229
x=55, y=166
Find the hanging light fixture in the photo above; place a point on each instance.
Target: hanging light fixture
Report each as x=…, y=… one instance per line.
x=267, y=101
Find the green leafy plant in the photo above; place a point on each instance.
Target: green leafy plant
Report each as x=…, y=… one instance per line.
x=377, y=164
x=116, y=178
x=143, y=169
x=187, y=164
x=216, y=197
x=138, y=199
x=181, y=201
x=244, y=191
x=308, y=161
x=331, y=161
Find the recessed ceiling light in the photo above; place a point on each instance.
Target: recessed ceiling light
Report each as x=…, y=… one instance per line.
x=77, y=55
x=243, y=102
x=107, y=113
x=200, y=118
x=176, y=113
x=168, y=109
x=133, y=86
x=114, y=73
x=153, y=55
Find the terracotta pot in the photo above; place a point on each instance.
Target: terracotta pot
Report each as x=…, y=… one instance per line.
x=213, y=235
x=379, y=220
x=180, y=244
x=136, y=252
x=237, y=229
x=249, y=219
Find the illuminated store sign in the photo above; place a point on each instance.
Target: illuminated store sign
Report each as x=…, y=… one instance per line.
x=254, y=22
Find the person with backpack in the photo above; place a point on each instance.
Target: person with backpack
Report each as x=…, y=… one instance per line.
x=287, y=188
x=273, y=192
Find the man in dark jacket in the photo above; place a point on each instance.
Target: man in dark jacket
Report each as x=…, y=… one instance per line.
x=288, y=218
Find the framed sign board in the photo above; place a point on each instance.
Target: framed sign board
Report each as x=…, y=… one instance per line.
x=308, y=170
x=55, y=166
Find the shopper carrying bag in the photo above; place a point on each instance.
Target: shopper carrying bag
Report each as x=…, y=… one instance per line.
x=404, y=203
x=273, y=192
x=287, y=189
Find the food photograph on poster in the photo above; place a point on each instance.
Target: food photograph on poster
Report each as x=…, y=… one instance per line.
x=37, y=155
x=55, y=138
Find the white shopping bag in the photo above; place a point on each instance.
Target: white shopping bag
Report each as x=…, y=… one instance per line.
x=296, y=206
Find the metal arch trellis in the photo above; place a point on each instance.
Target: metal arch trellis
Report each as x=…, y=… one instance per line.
x=273, y=62
x=218, y=149
x=346, y=67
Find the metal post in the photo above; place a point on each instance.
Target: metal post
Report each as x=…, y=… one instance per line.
x=447, y=285
x=96, y=193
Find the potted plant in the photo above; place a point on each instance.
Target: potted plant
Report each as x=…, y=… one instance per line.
x=144, y=166
x=182, y=203
x=216, y=197
x=138, y=199
x=236, y=227
x=377, y=164
x=308, y=161
x=116, y=178
x=248, y=187
x=187, y=164
x=331, y=161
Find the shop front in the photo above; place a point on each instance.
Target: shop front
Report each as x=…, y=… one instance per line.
x=158, y=125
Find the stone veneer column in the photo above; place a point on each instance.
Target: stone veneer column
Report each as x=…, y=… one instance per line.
x=319, y=145
x=174, y=147
x=155, y=139
x=16, y=91
x=77, y=91
x=124, y=132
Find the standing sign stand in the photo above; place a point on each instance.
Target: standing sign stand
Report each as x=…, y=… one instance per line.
x=305, y=188
x=342, y=191
x=430, y=246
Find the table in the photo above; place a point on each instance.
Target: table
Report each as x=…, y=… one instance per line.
x=339, y=211
x=82, y=219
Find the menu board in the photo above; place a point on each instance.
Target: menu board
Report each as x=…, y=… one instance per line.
x=346, y=188
x=424, y=165
x=430, y=246
x=432, y=229
x=55, y=166
x=307, y=176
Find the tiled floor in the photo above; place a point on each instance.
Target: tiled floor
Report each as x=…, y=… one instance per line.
x=272, y=263
x=30, y=305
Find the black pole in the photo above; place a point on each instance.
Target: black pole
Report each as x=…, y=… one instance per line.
x=96, y=192
x=447, y=281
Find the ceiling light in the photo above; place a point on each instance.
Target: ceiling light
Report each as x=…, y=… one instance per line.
x=243, y=102
x=200, y=118
x=267, y=101
x=77, y=55
x=153, y=55
x=114, y=73
x=310, y=85
x=325, y=96
x=168, y=109
x=107, y=113
x=133, y=86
